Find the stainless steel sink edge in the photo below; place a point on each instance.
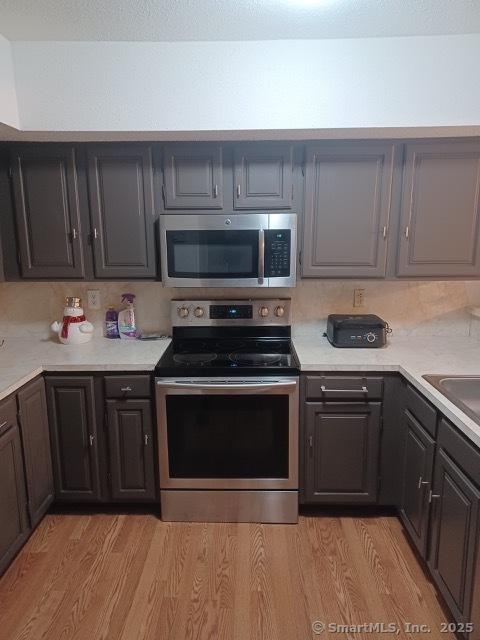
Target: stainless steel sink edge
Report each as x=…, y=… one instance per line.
x=438, y=382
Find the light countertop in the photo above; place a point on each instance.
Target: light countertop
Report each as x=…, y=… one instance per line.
x=22, y=359
x=413, y=357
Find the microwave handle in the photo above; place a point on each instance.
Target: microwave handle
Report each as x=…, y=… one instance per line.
x=261, y=256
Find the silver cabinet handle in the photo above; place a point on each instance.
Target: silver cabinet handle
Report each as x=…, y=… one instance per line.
x=261, y=256
x=125, y=389
x=325, y=390
x=74, y=234
x=433, y=496
x=239, y=190
x=384, y=232
x=91, y=439
x=215, y=191
x=407, y=232
x=95, y=234
x=310, y=442
x=145, y=439
x=4, y=424
x=421, y=482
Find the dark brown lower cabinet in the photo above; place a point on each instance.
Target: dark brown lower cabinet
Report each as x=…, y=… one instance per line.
x=73, y=427
x=131, y=450
x=14, y=527
x=454, y=536
x=342, y=448
x=419, y=451
x=32, y=413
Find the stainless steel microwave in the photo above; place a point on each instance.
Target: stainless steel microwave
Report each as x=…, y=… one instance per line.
x=241, y=250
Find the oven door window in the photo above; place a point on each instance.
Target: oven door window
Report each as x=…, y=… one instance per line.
x=212, y=254
x=228, y=436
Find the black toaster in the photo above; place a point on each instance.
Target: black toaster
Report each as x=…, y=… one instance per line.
x=367, y=331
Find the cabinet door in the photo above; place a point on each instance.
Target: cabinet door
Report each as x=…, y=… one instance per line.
x=45, y=190
x=439, y=230
x=13, y=501
x=33, y=416
x=419, y=449
x=193, y=177
x=341, y=460
x=454, y=535
x=347, y=205
x=263, y=175
x=131, y=449
x=71, y=406
x=122, y=210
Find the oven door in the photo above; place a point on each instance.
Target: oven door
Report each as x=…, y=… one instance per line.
x=228, y=433
x=213, y=250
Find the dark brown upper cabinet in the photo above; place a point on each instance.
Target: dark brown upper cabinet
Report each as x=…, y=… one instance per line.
x=120, y=183
x=341, y=456
x=47, y=212
x=131, y=448
x=439, y=226
x=416, y=478
x=263, y=176
x=73, y=427
x=193, y=176
x=347, y=208
x=32, y=412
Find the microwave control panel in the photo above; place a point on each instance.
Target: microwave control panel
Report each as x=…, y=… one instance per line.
x=277, y=253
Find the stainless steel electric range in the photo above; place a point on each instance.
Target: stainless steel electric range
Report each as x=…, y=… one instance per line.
x=227, y=413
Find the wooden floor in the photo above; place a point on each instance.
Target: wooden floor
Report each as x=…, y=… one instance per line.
x=104, y=576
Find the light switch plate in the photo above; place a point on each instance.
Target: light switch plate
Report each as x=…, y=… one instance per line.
x=93, y=298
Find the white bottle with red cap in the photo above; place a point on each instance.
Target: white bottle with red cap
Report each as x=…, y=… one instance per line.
x=74, y=328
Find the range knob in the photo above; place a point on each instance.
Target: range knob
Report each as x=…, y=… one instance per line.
x=371, y=337
x=280, y=311
x=198, y=312
x=263, y=312
x=183, y=312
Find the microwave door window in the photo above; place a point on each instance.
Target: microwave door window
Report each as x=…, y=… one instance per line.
x=213, y=254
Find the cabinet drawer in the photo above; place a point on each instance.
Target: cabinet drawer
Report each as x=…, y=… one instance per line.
x=8, y=414
x=128, y=387
x=423, y=411
x=465, y=454
x=343, y=387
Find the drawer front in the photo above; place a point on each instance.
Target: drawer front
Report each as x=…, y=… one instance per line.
x=344, y=388
x=128, y=386
x=423, y=411
x=8, y=414
x=465, y=454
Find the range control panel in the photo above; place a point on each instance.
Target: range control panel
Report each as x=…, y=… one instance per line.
x=274, y=311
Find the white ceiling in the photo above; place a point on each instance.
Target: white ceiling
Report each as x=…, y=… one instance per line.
x=171, y=20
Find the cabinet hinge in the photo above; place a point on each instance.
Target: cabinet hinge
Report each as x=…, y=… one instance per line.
x=10, y=173
x=379, y=483
x=303, y=169
x=300, y=258
x=163, y=194
x=19, y=416
x=19, y=260
x=106, y=418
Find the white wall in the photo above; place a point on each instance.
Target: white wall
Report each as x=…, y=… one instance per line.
x=141, y=86
x=8, y=98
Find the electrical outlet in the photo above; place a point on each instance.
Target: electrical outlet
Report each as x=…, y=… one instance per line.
x=93, y=298
x=359, y=297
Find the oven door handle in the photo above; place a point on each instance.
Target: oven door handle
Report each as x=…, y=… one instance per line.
x=232, y=386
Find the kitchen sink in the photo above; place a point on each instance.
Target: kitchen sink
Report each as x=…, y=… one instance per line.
x=462, y=391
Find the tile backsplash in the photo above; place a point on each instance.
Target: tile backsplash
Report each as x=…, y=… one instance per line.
x=419, y=308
